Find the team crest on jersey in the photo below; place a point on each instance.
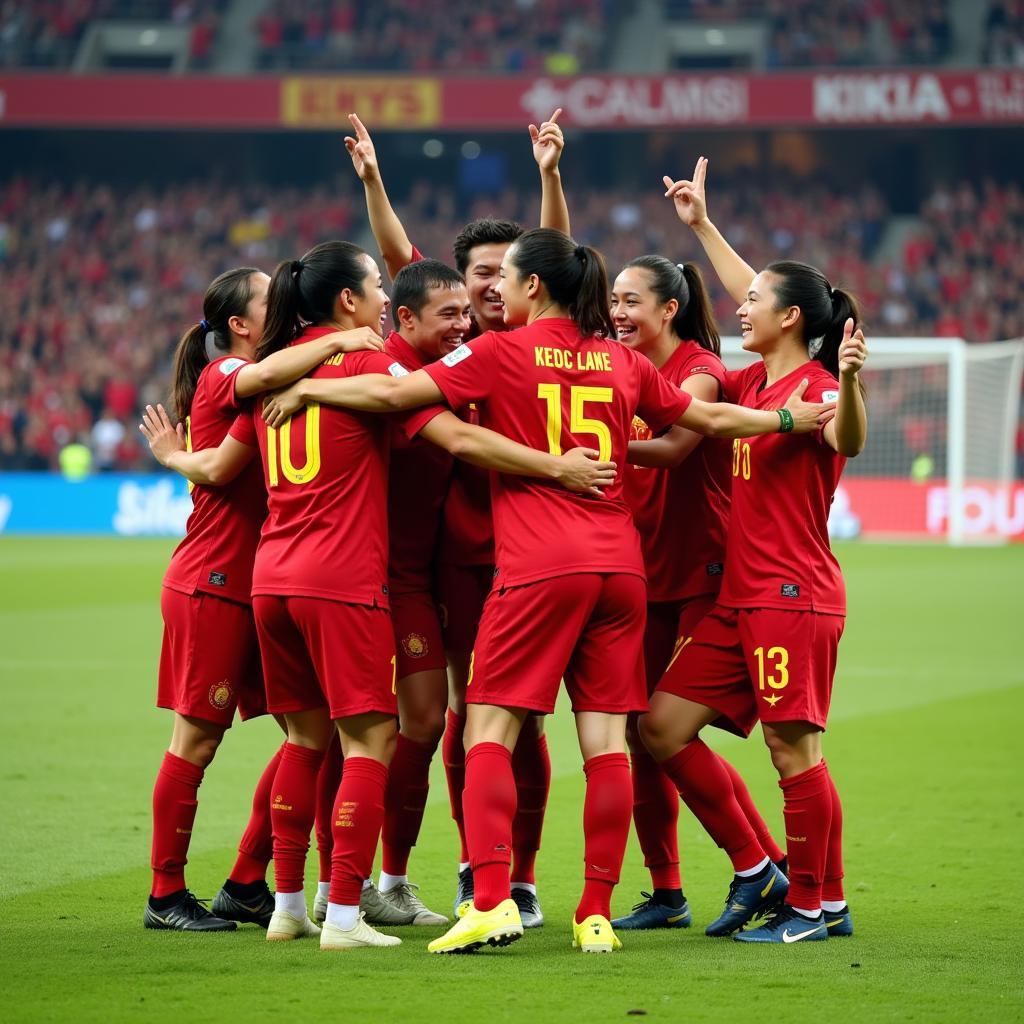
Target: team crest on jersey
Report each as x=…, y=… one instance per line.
x=830, y=396
x=220, y=695
x=457, y=355
x=229, y=366
x=415, y=645
x=640, y=431
x=398, y=370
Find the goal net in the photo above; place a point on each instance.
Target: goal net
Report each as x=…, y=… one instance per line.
x=940, y=460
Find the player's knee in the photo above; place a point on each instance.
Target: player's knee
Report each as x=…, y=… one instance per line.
x=426, y=729
x=783, y=755
x=201, y=749
x=654, y=733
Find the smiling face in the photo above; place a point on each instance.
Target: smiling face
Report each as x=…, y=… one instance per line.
x=640, y=319
x=483, y=272
x=761, y=322
x=441, y=325
x=371, y=308
x=515, y=291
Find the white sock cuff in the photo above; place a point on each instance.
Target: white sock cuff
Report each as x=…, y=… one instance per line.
x=754, y=870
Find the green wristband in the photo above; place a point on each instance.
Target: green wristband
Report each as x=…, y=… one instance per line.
x=785, y=421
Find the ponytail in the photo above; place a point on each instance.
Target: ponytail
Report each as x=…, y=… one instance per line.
x=825, y=309
x=303, y=291
x=574, y=276
x=695, y=318
x=228, y=295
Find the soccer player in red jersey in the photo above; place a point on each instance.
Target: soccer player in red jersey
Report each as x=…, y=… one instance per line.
x=465, y=547
x=209, y=664
x=569, y=594
x=768, y=649
x=319, y=584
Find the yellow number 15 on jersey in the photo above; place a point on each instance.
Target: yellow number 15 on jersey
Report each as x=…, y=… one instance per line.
x=551, y=394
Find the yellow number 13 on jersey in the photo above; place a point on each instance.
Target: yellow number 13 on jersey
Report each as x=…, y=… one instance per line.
x=551, y=394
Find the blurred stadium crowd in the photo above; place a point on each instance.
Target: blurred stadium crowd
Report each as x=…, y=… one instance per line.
x=555, y=36
x=99, y=283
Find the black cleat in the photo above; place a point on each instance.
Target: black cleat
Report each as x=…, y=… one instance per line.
x=185, y=914
x=464, y=893
x=248, y=909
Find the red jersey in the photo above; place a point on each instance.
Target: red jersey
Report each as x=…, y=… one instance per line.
x=682, y=513
x=418, y=483
x=327, y=475
x=778, y=554
x=546, y=387
x=221, y=535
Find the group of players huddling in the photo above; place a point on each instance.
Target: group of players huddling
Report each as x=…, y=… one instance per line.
x=405, y=541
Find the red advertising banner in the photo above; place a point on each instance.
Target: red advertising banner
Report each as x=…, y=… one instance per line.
x=707, y=100
x=878, y=507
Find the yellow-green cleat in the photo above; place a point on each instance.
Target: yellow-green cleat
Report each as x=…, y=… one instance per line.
x=594, y=935
x=498, y=927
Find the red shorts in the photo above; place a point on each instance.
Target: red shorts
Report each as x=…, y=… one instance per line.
x=316, y=652
x=666, y=620
x=417, y=626
x=586, y=627
x=210, y=660
x=758, y=663
x=461, y=593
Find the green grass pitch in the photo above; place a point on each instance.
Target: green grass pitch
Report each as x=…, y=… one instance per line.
x=925, y=747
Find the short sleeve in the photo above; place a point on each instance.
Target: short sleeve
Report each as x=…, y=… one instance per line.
x=244, y=428
x=659, y=403
x=220, y=384
x=469, y=373
x=704, y=362
x=416, y=255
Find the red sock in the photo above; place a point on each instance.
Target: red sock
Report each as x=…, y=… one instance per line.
x=807, y=809
x=327, y=782
x=753, y=815
x=707, y=790
x=256, y=847
x=832, y=886
x=292, y=810
x=174, y=811
x=489, y=800
x=656, y=816
x=358, y=815
x=453, y=753
x=404, y=802
x=607, y=810
x=531, y=766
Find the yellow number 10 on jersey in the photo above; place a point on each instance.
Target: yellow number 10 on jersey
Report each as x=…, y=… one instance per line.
x=578, y=423
x=279, y=445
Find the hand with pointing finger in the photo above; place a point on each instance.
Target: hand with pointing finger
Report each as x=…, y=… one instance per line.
x=688, y=195
x=360, y=148
x=548, y=142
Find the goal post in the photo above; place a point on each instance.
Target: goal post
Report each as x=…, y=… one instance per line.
x=940, y=460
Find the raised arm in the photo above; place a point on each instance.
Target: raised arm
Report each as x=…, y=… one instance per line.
x=674, y=447
x=395, y=247
x=577, y=470
x=368, y=392
x=691, y=207
x=721, y=419
x=211, y=467
x=849, y=430
x=548, y=144
x=289, y=364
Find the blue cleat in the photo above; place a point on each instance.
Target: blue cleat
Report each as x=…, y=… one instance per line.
x=648, y=913
x=787, y=925
x=749, y=898
x=839, y=923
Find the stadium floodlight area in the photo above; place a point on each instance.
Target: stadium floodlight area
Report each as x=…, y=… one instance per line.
x=940, y=458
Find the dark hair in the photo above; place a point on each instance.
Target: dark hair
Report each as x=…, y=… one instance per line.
x=574, y=276
x=695, y=318
x=484, y=231
x=303, y=291
x=825, y=309
x=415, y=281
x=227, y=295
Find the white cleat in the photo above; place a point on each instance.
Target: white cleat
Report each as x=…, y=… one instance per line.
x=359, y=936
x=284, y=927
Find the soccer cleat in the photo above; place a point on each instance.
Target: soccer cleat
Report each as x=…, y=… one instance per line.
x=284, y=927
x=648, y=913
x=594, y=935
x=359, y=936
x=787, y=926
x=529, y=907
x=249, y=911
x=404, y=899
x=464, y=893
x=320, y=909
x=187, y=914
x=839, y=923
x=749, y=898
x=498, y=927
